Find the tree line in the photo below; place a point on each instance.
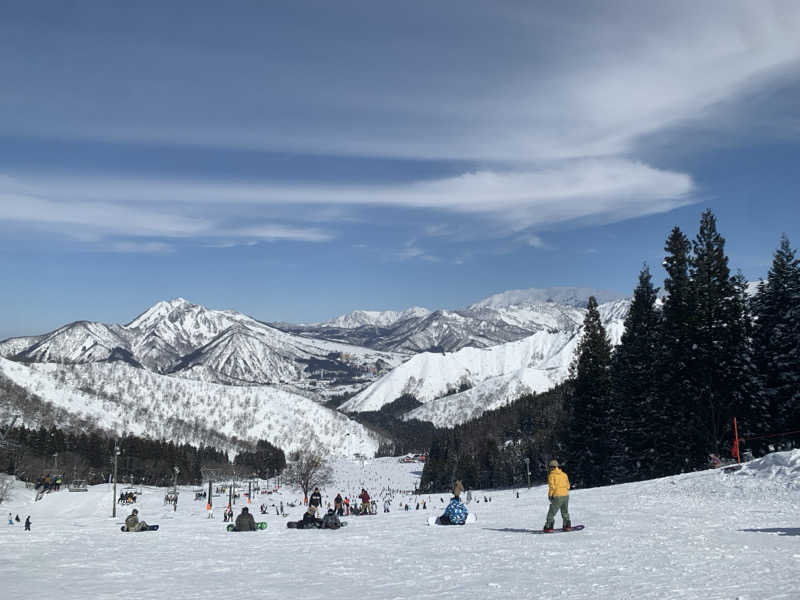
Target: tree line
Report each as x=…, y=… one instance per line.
x=663, y=401
x=33, y=453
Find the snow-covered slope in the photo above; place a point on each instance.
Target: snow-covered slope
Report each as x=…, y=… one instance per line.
x=82, y=341
x=708, y=535
x=495, y=376
x=120, y=398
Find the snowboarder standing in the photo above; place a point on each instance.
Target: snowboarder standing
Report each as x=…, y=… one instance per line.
x=28, y=523
x=558, y=493
x=316, y=499
x=456, y=512
x=338, y=505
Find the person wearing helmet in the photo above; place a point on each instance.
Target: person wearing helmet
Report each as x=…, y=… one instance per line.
x=245, y=521
x=132, y=523
x=558, y=492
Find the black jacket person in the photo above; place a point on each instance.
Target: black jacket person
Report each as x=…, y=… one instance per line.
x=245, y=521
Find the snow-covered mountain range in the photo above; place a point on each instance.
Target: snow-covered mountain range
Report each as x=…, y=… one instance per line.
x=180, y=362
x=489, y=377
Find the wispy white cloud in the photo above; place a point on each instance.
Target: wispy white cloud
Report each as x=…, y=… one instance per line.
x=281, y=232
x=602, y=190
x=140, y=247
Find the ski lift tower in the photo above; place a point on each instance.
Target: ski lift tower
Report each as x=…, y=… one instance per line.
x=210, y=475
x=176, y=469
x=528, y=470
x=114, y=493
x=4, y=441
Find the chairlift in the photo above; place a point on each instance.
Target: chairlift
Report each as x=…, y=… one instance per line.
x=79, y=485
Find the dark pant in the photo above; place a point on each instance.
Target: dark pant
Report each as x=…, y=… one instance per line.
x=557, y=503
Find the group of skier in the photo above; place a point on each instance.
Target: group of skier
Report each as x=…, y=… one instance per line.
x=455, y=512
x=17, y=519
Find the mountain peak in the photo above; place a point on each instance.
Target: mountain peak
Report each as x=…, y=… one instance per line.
x=566, y=295
x=159, y=311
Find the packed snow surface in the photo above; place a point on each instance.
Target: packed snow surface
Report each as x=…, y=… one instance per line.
x=707, y=535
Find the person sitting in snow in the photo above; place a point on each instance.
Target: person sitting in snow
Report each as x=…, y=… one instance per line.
x=132, y=523
x=245, y=521
x=330, y=520
x=310, y=519
x=456, y=512
x=558, y=492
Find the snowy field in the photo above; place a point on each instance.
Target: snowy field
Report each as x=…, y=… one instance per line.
x=708, y=535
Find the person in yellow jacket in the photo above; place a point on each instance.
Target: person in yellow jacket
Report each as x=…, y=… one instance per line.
x=558, y=492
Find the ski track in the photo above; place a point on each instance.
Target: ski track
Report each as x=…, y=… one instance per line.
x=707, y=535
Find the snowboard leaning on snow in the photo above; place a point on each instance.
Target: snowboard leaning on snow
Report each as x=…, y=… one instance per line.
x=471, y=518
x=259, y=525
x=148, y=528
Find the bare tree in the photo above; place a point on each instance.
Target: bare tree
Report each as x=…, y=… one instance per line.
x=308, y=469
x=6, y=483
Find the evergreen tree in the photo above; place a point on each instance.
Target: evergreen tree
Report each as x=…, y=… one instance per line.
x=674, y=421
x=633, y=406
x=721, y=375
x=588, y=449
x=776, y=341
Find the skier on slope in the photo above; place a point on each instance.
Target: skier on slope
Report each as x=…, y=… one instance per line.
x=245, y=521
x=132, y=523
x=456, y=512
x=558, y=493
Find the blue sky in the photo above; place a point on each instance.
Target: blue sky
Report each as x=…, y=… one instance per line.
x=299, y=160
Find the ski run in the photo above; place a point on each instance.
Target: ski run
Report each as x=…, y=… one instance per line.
x=704, y=535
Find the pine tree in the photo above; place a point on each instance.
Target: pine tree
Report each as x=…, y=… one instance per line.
x=776, y=341
x=632, y=398
x=721, y=372
x=588, y=447
x=673, y=422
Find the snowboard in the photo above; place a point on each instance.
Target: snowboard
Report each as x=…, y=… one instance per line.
x=149, y=528
x=293, y=525
x=471, y=518
x=259, y=525
x=574, y=528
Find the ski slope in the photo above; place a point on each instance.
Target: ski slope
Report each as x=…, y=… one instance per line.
x=707, y=535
